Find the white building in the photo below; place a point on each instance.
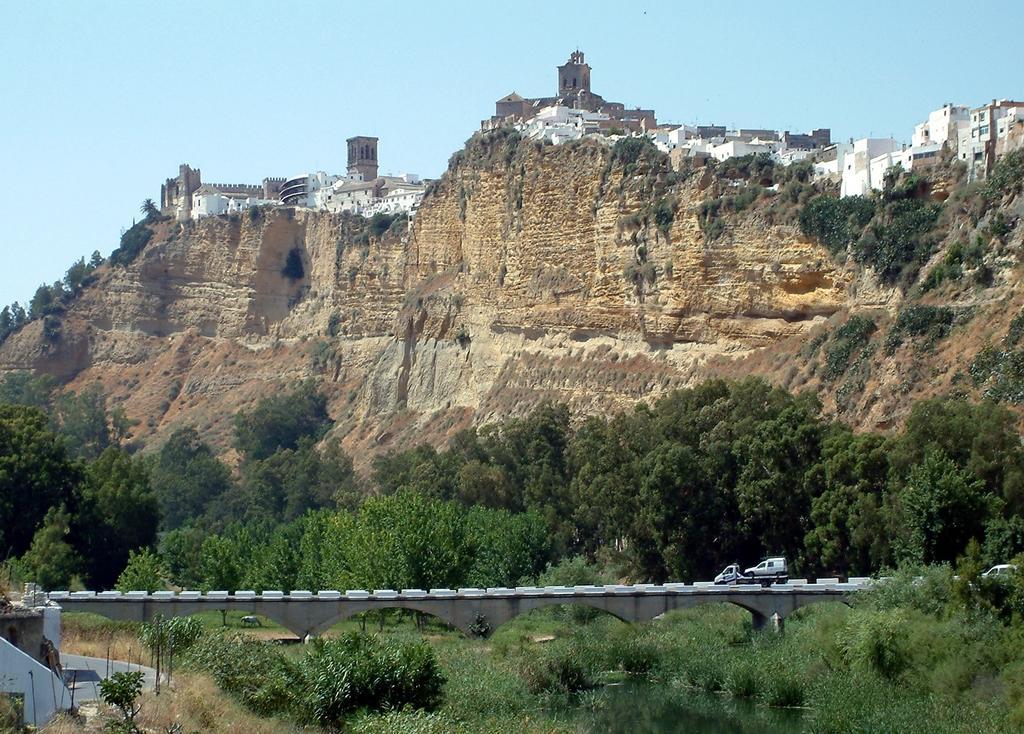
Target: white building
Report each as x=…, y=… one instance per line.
x=345, y=196
x=303, y=190
x=558, y=124
x=208, y=201
x=829, y=161
x=669, y=137
x=918, y=157
x=880, y=165
x=42, y=692
x=736, y=148
x=857, y=168
x=397, y=201
x=978, y=142
x=789, y=156
x=942, y=126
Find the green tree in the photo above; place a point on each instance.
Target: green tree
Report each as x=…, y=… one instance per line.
x=24, y=388
x=51, y=561
x=420, y=469
x=35, y=475
x=117, y=513
x=149, y=209
x=186, y=477
x=605, y=466
x=980, y=437
x=290, y=482
x=122, y=691
x=43, y=301
x=133, y=241
x=180, y=548
x=677, y=512
x=145, y=571
x=280, y=421
x=504, y=547
x=773, y=490
x=940, y=509
x=484, y=484
x=221, y=564
x=848, y=532
x=87, y=427
x=533, y=453
x=276, y=563
x=76, y=276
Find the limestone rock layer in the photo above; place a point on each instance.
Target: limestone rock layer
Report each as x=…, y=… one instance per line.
x=529, y=273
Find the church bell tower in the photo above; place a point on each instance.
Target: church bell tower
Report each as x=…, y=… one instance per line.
x=574, y=75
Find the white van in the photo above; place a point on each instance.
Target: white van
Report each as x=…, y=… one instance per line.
x=769, y=571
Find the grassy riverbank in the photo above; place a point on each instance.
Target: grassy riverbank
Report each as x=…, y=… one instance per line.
x=915, y=657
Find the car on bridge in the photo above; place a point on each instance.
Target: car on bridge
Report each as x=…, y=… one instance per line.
x=1000, y=571
x=731, y=574
x=770, y=570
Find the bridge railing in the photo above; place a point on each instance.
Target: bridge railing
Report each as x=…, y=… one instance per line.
x=699, y=587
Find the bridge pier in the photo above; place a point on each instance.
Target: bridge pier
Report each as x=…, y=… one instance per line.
x=778, y=623
x=762, y=622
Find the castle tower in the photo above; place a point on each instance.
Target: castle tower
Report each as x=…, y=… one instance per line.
x=574, y=75
x=176, y=193
x=362, y=157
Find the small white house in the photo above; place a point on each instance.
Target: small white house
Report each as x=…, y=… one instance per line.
x=210, y=202
x=942, y=126
x=829, y=161
x=738, y=148
x=857, y=165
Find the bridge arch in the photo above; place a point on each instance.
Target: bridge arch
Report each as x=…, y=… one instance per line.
x=410, y=606
x=500, y=620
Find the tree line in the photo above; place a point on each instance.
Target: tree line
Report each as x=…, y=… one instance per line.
x=722, y=472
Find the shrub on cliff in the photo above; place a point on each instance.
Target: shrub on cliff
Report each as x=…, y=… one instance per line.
x=293, y=268
x=1007, y=177
x=279, y=421
x=630, y=151
x=132, y=243
x=836, y=223
x=849, y=339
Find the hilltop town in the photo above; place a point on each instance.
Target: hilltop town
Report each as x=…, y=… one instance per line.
x=976, y=136
x=360, y=190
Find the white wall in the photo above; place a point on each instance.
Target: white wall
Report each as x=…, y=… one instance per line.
x=857, y=166
x=208, y=205
x=44, y=693
x=942, y=126
x=51, y=624
x=737, y=148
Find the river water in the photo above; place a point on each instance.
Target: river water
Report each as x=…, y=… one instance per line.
x=661, y=709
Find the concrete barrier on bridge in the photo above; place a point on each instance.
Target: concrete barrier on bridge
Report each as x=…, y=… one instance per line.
x=468, y=610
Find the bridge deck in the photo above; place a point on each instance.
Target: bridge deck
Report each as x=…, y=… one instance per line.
x=468, y=609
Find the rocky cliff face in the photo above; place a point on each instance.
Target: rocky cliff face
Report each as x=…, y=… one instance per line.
x=530, y=273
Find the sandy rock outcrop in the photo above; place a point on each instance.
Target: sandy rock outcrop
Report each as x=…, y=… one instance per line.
x=530, y=273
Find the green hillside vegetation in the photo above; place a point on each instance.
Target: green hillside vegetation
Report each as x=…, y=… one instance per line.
x=676, y=490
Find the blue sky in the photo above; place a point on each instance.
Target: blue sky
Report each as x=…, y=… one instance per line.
x=103, y=100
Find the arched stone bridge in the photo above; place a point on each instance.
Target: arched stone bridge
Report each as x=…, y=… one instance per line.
x=306, y=613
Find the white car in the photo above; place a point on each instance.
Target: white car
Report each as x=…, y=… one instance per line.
x=770, y=570
x=1000, y=571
